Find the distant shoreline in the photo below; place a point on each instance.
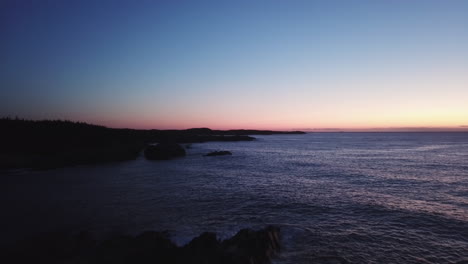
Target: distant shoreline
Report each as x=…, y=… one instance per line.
x=48, y=144
x=396, y=132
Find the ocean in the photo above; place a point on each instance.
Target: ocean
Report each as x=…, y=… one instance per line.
x=365, y=197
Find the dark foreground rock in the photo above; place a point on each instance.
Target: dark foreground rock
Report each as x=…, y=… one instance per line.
x=246, y=247
x=164, y=151
x=218, y=153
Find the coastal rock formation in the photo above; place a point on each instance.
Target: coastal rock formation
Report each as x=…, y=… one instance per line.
x=246, y=247
x=49, y=144
x=249, y=246
x=164, y=151
x=218, y=153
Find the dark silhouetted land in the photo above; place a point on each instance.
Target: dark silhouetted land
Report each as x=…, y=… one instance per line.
x=55, y=143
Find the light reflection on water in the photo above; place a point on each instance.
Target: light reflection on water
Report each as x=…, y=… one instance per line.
x=367, y=197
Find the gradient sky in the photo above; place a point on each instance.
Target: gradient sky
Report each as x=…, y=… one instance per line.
x=237, y=64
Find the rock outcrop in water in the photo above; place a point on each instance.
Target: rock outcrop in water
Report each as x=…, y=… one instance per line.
x=164, y=151
x=218, y=153
x=246, y=247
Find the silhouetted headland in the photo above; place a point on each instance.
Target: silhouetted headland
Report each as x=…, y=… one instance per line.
x=247, y=246
x=54, y=143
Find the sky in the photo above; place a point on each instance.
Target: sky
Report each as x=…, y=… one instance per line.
x=311, y=65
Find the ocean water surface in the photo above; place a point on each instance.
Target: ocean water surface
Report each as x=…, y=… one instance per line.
x=366, y=197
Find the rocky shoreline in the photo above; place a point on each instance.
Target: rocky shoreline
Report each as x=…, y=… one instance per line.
x=53, y=144
x=246, y=247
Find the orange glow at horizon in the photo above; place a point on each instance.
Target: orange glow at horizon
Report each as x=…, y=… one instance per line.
x=434, y=112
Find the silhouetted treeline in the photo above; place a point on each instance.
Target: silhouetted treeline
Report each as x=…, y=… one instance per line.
x=57, y=143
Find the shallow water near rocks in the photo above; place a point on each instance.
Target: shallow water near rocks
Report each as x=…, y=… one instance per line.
x=364, y=197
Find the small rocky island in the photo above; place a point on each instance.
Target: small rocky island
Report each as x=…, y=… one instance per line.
x=164, y=151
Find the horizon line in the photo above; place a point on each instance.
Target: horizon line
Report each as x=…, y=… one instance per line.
x=459, y=128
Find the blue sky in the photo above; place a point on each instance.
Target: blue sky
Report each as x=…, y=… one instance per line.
x=230, y=64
